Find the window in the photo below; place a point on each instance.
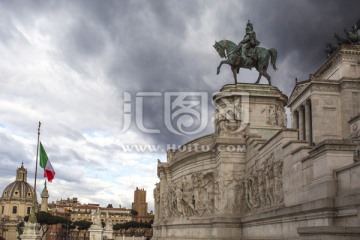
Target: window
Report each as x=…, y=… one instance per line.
x=14, y=210
x=2, y=209
x=28, y=210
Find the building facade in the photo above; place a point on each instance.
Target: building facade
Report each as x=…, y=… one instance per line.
x=117, y=215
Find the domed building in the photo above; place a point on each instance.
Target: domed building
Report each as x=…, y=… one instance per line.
x=15, y=203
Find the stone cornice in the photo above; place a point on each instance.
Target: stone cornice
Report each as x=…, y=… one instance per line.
x=329, y=230
x=294, y=142
x=298, y=90
x=348, y=167
x=322, y=85
x=335, y=58
x=325, y=86
x=277, y=135
x=333, y=145
x=345, y=52
x=251, y=89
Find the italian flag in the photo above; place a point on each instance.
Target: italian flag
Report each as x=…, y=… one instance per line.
x=45, y=163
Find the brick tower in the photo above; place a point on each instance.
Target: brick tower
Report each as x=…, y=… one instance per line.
x=140, y=204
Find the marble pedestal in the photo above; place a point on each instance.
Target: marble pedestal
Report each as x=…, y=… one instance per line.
x=108, y=233
x=204, y=185
x=31, y=231
x=96, y=232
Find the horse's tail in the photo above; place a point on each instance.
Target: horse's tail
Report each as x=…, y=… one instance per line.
x=273, y=54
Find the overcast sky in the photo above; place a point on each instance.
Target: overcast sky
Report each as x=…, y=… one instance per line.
x=71, y=65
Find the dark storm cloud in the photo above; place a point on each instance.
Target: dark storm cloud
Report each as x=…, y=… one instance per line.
x=88, y=47
x=155, y=59
x=302, y=27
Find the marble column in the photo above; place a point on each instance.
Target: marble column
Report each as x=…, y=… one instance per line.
x=301, y=123
x=295, y=120
x=307, y=122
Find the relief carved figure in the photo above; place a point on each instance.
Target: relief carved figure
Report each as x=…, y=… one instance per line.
x=261, y=186
x=179, y=201
x=275, y=116
x=278, y=191
x=157, y=201
x=168, y=201
x=269, y=186
x=172, y=202
x=208, y=198
x=229, y=194
x=190, y=196
x=264, y=188
x=251, y=201
x=203, y=194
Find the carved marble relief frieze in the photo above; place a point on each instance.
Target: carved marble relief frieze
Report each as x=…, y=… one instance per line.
x=207, y=194
x=275, y=115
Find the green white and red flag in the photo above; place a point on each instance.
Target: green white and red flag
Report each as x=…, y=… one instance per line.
x=45, y=163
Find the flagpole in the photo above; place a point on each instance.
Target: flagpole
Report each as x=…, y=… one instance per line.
x=37, y=157
x=32, y=217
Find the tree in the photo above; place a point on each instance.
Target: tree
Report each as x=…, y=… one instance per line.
x=81, y=226
x=46, y=220
x=131, y=224
x=133, y=212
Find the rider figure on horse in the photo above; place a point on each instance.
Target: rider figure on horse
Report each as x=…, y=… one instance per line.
x=248, y=42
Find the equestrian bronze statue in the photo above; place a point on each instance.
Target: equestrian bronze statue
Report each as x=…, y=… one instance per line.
x=246, y=54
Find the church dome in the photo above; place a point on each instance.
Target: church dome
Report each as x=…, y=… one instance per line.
x=20, y=189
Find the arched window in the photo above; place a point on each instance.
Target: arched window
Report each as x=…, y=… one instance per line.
x=28, y=210
x=2, y=209
x=14, y=210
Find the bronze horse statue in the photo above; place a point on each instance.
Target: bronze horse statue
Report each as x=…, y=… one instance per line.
x=259, y=58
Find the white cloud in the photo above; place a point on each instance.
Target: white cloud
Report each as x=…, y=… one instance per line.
x=68, y=63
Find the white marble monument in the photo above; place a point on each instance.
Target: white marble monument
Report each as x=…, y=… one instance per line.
x=254, y=178
x=108, y=231
x=31, y=231
x=96, y=230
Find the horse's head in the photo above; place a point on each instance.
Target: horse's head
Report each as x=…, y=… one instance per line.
x=220, y=49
